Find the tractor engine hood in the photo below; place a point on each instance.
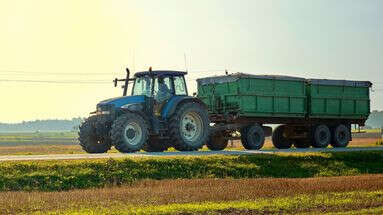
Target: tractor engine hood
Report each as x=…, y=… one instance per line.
x=123, y=100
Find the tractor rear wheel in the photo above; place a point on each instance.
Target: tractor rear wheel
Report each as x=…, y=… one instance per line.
x=89, y=140
x=253, y=137
x=280, y=141
x=155, y=145
x=217, y=142
x=189, y=127
x=129, y=133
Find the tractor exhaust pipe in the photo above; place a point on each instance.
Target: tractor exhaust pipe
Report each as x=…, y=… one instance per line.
x=127, y=79
x=126, y=82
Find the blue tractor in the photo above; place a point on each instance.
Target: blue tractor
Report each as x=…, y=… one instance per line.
x=157, y=115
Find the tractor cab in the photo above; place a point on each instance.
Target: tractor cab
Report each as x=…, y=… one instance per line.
x=155, y=87
x=160, y=85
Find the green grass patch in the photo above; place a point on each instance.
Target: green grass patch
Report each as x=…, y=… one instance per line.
x=75, y=174
x=314, y=203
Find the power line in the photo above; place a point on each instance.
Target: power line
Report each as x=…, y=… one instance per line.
x=21, y=72
x=56, y=82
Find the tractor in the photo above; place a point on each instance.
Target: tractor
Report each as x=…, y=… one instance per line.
x=157, y=115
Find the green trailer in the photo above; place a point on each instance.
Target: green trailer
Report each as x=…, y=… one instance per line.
x=312, y=112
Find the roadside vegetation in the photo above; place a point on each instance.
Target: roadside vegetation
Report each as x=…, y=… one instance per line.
x=240, y=196
x=74, y=174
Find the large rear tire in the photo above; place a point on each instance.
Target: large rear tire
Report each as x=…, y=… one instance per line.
x=217, y=142
x=155, y=145
x=253, y=137
x=129, y=133
x=89, y=140
x=280, y=141
x=321, y=136
x=189, y=127
x=340, y=136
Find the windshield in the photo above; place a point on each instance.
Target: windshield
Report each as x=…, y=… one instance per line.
x=142, y=86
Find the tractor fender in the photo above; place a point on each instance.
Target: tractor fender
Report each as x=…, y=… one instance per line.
x=176, y=101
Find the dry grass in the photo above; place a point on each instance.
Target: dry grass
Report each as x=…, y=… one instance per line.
x=162, y=192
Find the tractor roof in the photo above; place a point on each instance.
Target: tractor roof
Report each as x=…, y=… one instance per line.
x=160, y=73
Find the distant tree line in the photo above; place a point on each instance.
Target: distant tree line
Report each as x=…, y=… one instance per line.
x=42, y=125
x=375, y=120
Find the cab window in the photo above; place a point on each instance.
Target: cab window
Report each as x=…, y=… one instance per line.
x=179, y=85
x=162, y=88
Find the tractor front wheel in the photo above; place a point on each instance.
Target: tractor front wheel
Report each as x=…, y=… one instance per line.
x=89, y=140
x=129, y=133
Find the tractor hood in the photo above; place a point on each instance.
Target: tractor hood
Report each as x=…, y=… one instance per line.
x=123, y=100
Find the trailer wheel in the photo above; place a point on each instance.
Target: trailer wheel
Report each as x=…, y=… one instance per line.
x=321, y=136
x=129, y=133
x=217, y=142
x=155, y=145
x=302, y=143
x=279, y=137
x=340, y=136
x=89, y=140
x=253, y=137
x=189, y=127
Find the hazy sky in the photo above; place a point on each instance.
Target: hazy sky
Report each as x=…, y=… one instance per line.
x=93, y=41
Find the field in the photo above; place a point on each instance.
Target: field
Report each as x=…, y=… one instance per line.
x=290, y=183
x=245, y=196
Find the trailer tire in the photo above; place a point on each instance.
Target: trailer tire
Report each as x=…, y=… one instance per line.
x=189, y=127
x=89, y=140
x=155, y=145
x=279, y=140
x=129, y=133
x=340, y=136
x=302, y=143
x=321, y=136
x=217, y=142
x=253, y=137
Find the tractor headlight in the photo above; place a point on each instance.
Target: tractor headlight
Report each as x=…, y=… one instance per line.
x=102, y=111
x=133, y=107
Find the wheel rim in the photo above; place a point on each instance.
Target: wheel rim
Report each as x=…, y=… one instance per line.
x=132, y=133
x=191, y=126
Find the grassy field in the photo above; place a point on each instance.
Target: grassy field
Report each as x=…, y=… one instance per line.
x=73, y=174
x=232, y=196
